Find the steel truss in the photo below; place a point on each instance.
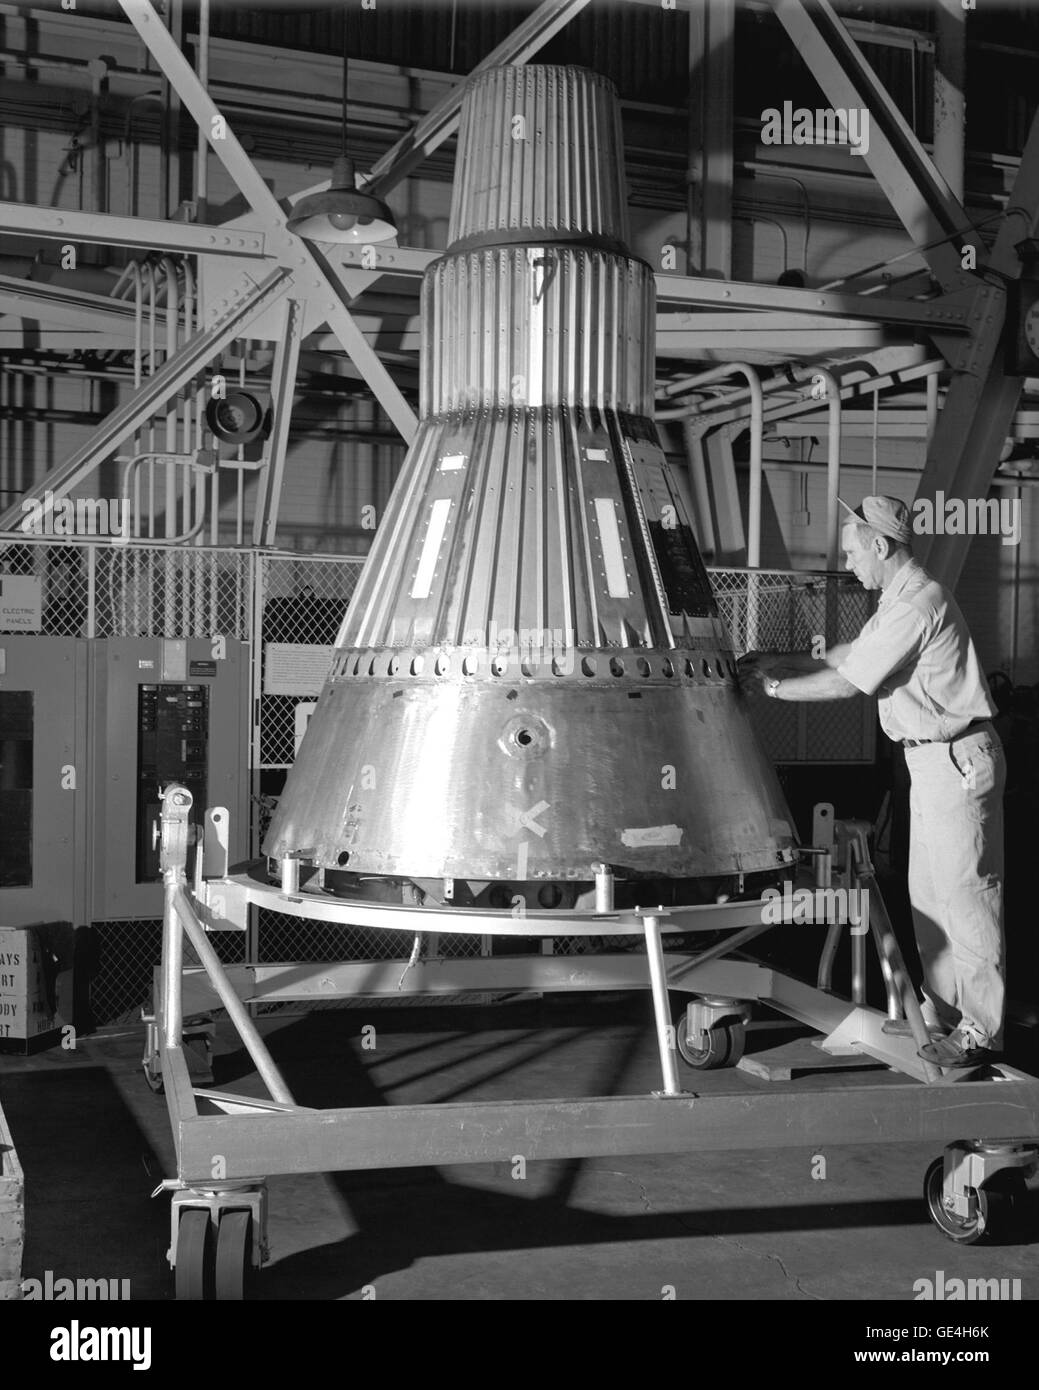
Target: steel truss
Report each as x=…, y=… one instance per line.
x=965, y=321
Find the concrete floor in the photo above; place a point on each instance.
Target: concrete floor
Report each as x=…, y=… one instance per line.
x=94, y=1141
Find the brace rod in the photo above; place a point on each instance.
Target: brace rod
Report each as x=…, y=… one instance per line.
x=919, y=195
x=290, y=250
x=435, y=127
x=141, y=406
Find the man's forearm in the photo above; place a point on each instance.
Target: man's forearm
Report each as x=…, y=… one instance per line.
x=796, y=661
x=824, y=684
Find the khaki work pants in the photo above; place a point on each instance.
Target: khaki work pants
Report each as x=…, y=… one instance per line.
x=956, y=880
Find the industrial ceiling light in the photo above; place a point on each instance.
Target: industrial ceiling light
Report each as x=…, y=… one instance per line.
x=343, y=213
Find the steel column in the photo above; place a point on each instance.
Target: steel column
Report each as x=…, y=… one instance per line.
x=950, y=93
x=712, y=43
x=981, y=400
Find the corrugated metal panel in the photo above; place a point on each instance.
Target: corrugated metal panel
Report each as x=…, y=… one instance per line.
x=520, y=176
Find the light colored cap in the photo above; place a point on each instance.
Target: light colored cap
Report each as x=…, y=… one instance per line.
x=889, y=516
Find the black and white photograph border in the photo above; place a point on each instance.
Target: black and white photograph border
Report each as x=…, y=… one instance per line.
x=487, y=812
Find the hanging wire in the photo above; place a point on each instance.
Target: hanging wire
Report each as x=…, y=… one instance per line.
x=343, y=127
x=876, y=424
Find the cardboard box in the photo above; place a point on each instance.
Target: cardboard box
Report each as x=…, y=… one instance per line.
x=12, y=1216
x=28, y=971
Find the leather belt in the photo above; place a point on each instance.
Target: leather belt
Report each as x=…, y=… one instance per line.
x=916, y=742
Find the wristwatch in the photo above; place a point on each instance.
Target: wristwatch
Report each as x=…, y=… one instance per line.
x=771, y=688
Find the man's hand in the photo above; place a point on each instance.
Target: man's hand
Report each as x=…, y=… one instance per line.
x=759, y=664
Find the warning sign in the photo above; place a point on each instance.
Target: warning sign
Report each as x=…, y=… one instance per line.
x=21, y=603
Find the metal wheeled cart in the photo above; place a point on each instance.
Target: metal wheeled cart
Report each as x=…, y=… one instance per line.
x=228, y=1145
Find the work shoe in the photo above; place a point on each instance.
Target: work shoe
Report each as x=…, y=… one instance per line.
x=899, y=1028
x=959, y=1049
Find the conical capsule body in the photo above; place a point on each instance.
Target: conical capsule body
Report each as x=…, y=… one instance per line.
x=532, y=678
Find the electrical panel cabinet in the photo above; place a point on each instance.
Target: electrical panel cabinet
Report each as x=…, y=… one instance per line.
x=44, y=857
x=163, y=711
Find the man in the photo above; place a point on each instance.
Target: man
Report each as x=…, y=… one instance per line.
x=917, y=656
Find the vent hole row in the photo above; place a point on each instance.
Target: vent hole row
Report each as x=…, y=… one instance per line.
x=499, y=666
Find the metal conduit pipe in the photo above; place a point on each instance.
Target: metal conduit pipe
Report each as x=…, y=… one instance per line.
x=133, y=162
x=202, y=157
x=168, y=268
x=148, y=276
x=757, y=422
x=698, y=482
x=833, y=464
x=134, y=270
x=760, y=170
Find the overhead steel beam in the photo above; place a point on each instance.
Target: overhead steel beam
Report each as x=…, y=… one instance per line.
x=290, y=250
x=435, y=127
x=924, y=202
x=195, y=354
x=722, y=344
x=103, y=229
x=50, y=304
x=981, y=401
x=948, y=313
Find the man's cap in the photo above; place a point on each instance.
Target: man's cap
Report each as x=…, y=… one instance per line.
x=889, y=516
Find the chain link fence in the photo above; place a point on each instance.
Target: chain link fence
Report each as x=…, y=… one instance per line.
x=125, y=956
x=304, y=599
x=289, y=608
x=789, y=611
x=134, y=590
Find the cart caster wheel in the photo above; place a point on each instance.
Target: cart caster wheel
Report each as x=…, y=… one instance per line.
x=723, y=1046
x=234, y=1245
x=1001, y=1207
x=193, y=1274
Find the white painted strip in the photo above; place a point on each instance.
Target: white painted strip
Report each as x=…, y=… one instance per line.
x=431, y=548
x=530, y=392
x=612, y=554
x=452, y=461
x=652, y=835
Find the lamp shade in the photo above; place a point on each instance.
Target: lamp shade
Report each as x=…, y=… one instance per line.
x=342, y=212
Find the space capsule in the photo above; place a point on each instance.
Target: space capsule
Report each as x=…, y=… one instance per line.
x=532, y=679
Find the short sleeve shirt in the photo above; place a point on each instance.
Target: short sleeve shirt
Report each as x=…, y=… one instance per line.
x=916, y=655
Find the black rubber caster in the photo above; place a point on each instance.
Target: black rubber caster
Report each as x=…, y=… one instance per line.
x=722, y=1046
x=1001, y=1207
x=193, y=1273
x=234, y=1248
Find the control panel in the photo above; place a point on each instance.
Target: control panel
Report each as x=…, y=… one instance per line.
x=172, y=746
